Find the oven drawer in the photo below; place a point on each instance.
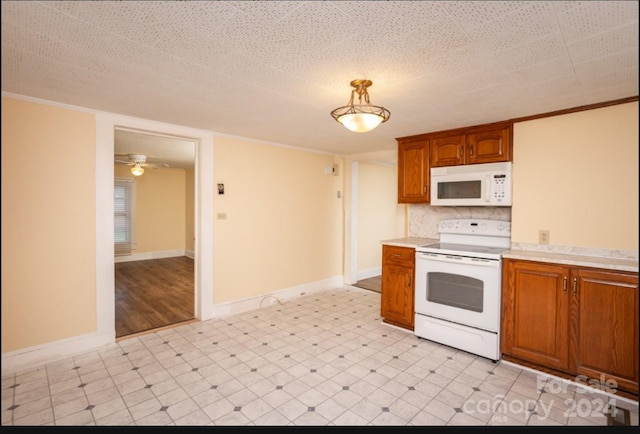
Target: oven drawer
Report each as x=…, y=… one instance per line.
x=398, y=255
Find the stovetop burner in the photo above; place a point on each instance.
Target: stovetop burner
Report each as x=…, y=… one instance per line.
x=463, y=249
x=471, y=237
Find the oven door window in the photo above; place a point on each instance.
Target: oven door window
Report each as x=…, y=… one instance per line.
x=460, y=190
x=455, y=290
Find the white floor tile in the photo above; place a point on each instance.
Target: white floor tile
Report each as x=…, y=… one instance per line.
x=323, y=359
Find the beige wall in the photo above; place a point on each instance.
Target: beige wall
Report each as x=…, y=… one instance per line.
x=379, y=215
x=283, y=226
x=159, y=209
x=48, y=224
x=283, y=223
x=576, y=175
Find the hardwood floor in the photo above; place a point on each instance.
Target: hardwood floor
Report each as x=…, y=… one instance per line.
x=153, y=293
x=372, y=283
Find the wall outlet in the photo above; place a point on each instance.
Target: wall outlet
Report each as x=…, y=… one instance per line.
x=222, y=216
x=543, y=237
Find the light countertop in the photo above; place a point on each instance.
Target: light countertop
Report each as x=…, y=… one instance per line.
x=568, y=256
x=578, y=260
x=411, y=242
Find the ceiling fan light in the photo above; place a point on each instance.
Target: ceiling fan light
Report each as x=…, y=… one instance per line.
x=362, y=117
x=137, y=170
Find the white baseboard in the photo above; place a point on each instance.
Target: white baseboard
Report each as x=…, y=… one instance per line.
x=247, y=304
x=371, y=272
x=40, y=355
x=151, y=255
x=34, y=357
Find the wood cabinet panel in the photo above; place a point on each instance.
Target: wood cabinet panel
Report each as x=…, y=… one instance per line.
x=575, y=320
x=605, y=335
x=447, y=151
x=535, y=313
x=489, y=146
x=397, y=291
x=413, y=172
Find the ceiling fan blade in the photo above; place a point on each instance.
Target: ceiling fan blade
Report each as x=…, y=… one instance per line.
x=155, y=165
x=123, y=162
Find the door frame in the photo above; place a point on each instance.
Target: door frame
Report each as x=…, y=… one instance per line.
x=106, y=123
x=352, y=185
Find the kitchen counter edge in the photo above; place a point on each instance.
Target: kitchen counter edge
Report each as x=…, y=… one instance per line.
x=577, y=260
x=411, y=242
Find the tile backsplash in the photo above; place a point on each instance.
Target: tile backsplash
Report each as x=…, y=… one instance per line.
x=424, y=219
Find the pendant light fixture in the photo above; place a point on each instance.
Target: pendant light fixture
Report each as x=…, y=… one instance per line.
x=363, y=116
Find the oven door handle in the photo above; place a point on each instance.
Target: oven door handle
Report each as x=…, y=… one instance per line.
x=467, y=260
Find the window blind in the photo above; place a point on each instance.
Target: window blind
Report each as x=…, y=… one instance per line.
x=122, y=216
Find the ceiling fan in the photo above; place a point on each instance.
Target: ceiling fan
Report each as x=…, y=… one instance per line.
x=138, y=163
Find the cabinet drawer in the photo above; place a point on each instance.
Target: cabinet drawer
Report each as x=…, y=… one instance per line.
x=398, y=255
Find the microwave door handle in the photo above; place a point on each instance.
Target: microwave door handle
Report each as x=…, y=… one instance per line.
x=487, y=182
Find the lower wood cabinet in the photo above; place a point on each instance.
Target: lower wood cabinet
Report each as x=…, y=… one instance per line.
x=397, y=286
x=582, y=322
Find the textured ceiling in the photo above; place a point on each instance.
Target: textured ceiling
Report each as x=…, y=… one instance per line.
x=273, y=70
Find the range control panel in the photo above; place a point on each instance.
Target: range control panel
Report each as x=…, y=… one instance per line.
x=496, y=228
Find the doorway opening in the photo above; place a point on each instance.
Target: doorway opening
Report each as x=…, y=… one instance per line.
x=106, y=125
x=154, y=230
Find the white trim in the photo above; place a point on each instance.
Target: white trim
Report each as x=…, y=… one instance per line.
x=152, y=255
x=105, y=278
x=371, y=272
x=353, y=239
x=40, y=355
x=249, y=304
x=106, y=123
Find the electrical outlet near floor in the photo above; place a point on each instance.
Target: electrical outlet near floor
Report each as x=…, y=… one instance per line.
x=543, y=236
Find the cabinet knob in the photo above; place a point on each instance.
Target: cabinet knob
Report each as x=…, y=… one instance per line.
x=564, y=284
x=575, y=285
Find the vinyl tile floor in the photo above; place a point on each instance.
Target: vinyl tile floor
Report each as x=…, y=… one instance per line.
x=325, y=358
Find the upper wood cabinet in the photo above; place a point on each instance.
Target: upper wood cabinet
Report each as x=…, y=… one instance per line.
x=413, y=171
x=447, y=151
x=475, y=145
x=491, y=143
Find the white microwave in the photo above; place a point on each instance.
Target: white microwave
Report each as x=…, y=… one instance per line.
x=486, y=184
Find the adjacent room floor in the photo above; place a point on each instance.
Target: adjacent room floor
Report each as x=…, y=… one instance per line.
x=323, y=359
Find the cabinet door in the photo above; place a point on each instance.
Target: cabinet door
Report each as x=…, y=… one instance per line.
x=605, y=337
x=397, y=293
x=535, y=313
x=447, y=151
x=396, y=303
x=413, y=172
x=490, y=146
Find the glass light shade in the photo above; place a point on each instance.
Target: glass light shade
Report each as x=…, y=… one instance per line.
x=361, y=117
x=360, y=122
x=137, y=170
